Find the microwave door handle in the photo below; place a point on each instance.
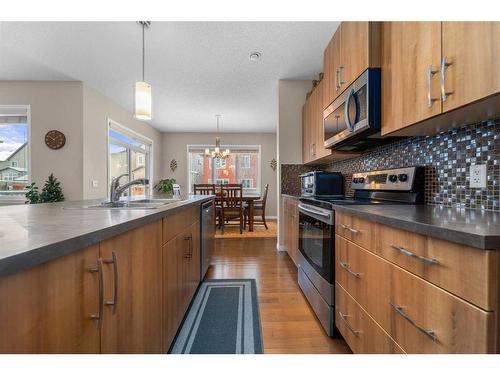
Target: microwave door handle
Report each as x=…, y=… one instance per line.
x=348, y=122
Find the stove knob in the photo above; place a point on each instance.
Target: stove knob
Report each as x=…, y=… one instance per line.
x=403, y=177
x=361, y=180
x=393, y=178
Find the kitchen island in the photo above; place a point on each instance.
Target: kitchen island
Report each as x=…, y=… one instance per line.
x=97, y=280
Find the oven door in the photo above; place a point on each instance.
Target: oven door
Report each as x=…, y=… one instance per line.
x=316, y=239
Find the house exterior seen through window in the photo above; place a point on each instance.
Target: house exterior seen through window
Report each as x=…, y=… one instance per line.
x=14, y=153
x=241, y=167
x=130, y=154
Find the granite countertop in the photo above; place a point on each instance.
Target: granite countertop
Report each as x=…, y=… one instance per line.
x=475, y=228
x=33, y=234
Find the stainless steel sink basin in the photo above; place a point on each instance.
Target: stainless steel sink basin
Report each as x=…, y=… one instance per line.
x=140, y=204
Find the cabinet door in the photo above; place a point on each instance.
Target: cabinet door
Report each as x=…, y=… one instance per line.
x=321, y=151
x=307, y=131
x=473, y=50
x=47, y=309
x=132, y=320
x=411, y=54
x=354, y=49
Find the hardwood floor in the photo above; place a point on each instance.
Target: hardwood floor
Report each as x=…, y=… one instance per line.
x=288, y=323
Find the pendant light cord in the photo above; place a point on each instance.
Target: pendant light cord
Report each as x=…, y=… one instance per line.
x=143, y=60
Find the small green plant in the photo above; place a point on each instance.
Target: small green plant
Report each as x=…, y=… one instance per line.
x=166, y=185
x=51, y=192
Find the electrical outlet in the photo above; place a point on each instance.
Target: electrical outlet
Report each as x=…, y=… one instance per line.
x=478, y=176
x=95, y=183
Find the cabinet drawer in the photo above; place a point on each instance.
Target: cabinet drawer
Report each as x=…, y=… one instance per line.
x=364, y=276
x=174, y=224
x=361, y=332
x=464, y=271
x=355, y=229
x=427, y=319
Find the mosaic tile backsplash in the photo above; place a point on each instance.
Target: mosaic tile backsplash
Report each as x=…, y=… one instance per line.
x=447, y=158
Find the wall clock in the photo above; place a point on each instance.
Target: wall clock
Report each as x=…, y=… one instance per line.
x=55, y=139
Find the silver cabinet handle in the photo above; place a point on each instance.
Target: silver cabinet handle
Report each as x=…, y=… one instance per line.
x=114, y=301
x=344, y=317
x=319, y=213
x=98, y=270
x=429, y=332
x=341, y=81
x=444, y=64
x=337, y=80
x=189, y=238
x=410, y=254
x=430, y=74
x=352, y=230
x=348, y=269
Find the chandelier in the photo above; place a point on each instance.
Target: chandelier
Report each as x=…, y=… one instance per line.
x=216, y=152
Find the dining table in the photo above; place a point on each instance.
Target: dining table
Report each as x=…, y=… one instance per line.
x=249, y=199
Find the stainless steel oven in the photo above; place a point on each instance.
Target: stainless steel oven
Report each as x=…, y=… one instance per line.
x=352, y=121
x=317, y=261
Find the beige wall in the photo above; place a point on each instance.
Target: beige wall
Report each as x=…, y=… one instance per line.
x=291, y=98
x=81, y=114
x=96, y=110
x=54, y=105
x=175, y=147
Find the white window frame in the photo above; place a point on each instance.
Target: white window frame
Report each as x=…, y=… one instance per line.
x=14, y=163
x=222, y=163
x=241, y=180
x=142, y=138
x=257, y=189
x=246, y=157
x=26, y=108
x=222, y=181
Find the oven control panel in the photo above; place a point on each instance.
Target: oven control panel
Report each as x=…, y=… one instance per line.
x=391, y=179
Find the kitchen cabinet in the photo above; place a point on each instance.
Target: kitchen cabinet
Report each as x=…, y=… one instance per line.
x=427, y=295
x=49, y=308
x=291, y=227
x=132, y=268
x=410, y=65
x=471, y=55
x=354, y=47
x=181, y=265
x=431, y=70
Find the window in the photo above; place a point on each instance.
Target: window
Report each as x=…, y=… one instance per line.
x=244, y=161
x=247, y=183
x=128, y=153
x=14, y=156
x=242, y=166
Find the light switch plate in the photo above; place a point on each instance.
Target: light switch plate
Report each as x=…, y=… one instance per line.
x=478, y=176
x=95, y=183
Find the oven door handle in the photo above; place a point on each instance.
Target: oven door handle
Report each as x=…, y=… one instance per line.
x=303, y=208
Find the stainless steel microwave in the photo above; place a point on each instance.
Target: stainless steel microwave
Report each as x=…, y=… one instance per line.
x=352, y=121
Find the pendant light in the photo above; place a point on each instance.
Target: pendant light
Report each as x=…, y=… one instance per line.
x=217, y=153
x=142, y=96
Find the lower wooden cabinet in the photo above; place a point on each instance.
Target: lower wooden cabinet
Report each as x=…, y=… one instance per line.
x=181, y=276
x=48, y=309
x=291, y=227
x=361, y=332
x=132, y=268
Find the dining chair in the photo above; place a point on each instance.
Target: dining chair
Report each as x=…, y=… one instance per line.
x=209, y=189
x=232, y=205
x=259, y=209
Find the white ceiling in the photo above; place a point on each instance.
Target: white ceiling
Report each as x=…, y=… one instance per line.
x=197, y=69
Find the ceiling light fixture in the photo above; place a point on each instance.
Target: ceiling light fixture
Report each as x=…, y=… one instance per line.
x=143, y=98
x=217, y=153
x=254, y=56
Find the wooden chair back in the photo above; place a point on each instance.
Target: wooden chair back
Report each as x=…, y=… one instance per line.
x=264, y=197
x=232, y=196
x=204, y=189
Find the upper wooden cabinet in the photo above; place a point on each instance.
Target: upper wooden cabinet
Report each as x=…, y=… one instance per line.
x=430, y=68
x=410, y=64
x=471, y=67
x=354, y=47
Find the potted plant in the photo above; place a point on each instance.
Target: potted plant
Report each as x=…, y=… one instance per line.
x=51, y=192
x=165, y=186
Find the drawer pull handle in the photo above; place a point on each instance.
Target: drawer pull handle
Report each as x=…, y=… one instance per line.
x=98, y=270
x=344, y=319
x=429, y=332
x=408, y=253
x=113, y=261
x=352, y=230
x=348, y=269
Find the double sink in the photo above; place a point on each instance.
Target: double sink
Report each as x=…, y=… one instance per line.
x=139, y=204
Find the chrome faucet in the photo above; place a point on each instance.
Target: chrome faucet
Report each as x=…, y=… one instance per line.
x=116, y=190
